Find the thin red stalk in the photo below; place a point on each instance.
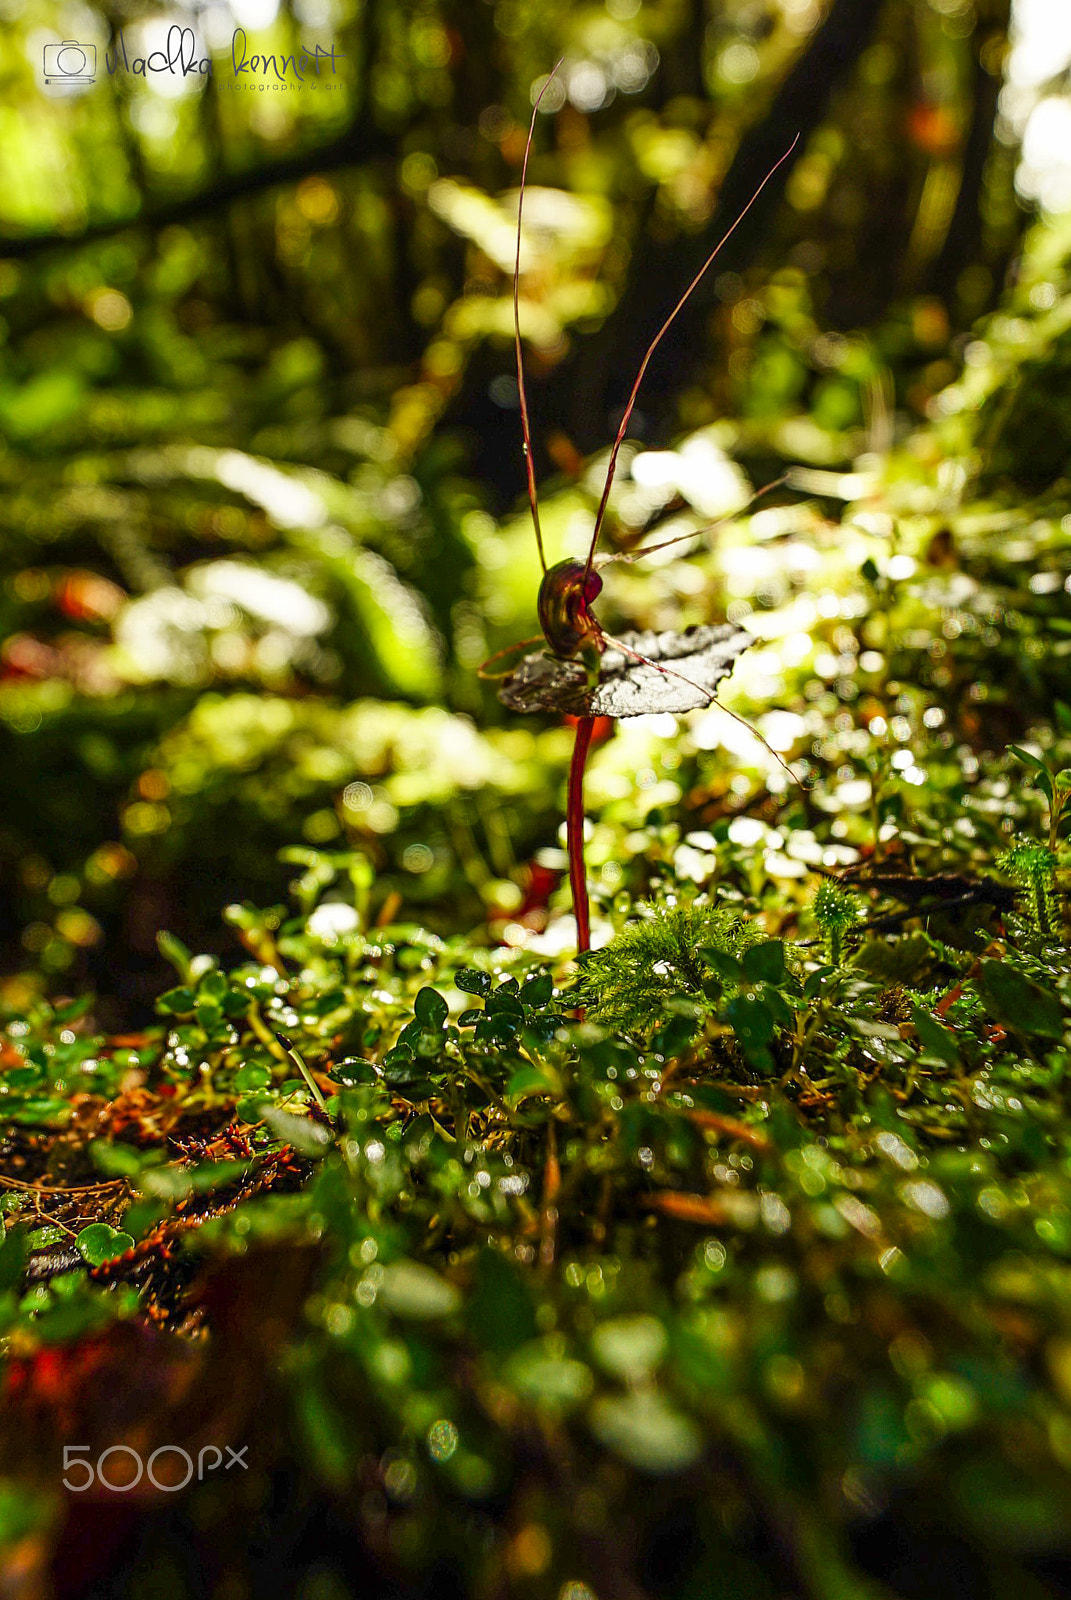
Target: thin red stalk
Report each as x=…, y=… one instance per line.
x=574, y=827
x=653, y=346
x=695, y=533
x=522, y=395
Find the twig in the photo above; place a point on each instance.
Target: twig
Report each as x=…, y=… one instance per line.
x=686, y=1207
x=732, y=1127
x=44, y=1188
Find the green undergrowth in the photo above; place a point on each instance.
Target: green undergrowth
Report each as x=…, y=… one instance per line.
x=779, y=1232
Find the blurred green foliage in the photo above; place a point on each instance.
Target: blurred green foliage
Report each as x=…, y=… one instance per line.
x=261, y=440
x=775, y=1239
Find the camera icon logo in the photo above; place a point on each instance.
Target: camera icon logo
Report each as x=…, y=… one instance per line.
x=70, y=62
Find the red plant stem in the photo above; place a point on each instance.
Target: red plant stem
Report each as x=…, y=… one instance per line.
x=574, y=826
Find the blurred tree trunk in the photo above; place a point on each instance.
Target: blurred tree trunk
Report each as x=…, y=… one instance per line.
x=888, y=164
x=607, y=365
x=969, y=241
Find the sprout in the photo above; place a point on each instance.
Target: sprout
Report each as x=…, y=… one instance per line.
x=1034, y=866
x=836, y=909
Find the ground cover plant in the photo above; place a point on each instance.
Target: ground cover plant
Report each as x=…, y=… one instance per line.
x=356, y=1236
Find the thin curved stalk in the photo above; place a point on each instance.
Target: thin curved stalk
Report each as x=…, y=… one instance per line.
x=574, y=827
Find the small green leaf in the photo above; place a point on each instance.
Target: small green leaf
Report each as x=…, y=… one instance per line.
x=504, y=1003
x=430, y=1009
x=12, y=1258
x=894, y=960
x=308, y=1138
x=114, y=1159
x=531, y=1080
x=537, y=991
x=724, y=964
x=141, y=1216
x=765, y=962
x=43, y=1112
x=252, y=1077
x=72, y=1010
x=400, y=1066
x=1027, y=757
x=213, y=986
x=867, y=1028
x=934, y=1039
x=675, y=1035
x=217, y=1174
x=753, y=1024
x=165, y=1183
x=778, y=1006
x=20, y=1079
x=175, y=952
x=44, y=1238
x=352, y=1071
x=209, y=1015
x=471, y=982
x=1013, y=999
x=176, y=1002
x=100, y=1243
x=1039, y=769
x=543, y=1027
x=495, y=1030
